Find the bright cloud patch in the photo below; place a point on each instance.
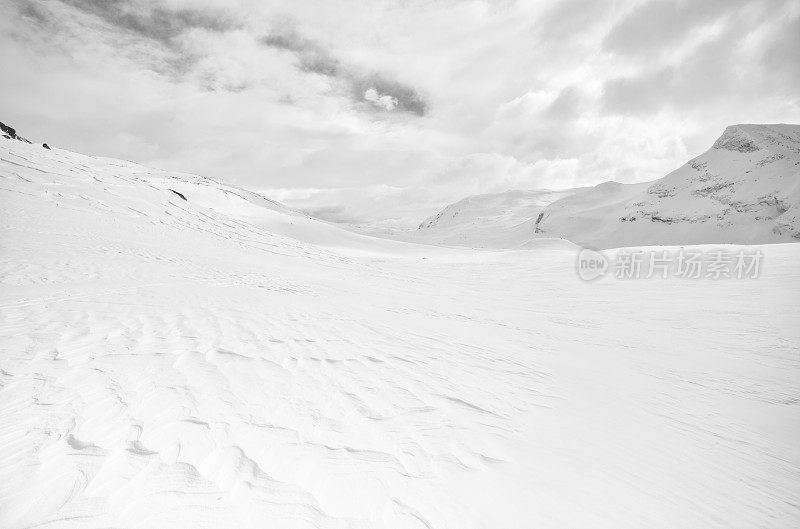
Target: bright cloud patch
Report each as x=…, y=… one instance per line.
x=383, y=101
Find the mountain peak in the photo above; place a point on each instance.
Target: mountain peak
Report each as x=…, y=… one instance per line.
x=752, y=137
x=736, y=138
x=744, y=190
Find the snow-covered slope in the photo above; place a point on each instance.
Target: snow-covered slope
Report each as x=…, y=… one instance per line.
x=171, y=363
x=488, y=221
x=167, y=194
x=497, y=220
x=744, y=190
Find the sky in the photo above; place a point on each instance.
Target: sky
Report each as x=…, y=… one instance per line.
x=383, y=112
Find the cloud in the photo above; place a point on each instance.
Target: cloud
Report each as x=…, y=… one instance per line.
x=387, y=95
x=153, y=36
x=781, y=56
x=383, y=101
x=386, y=111
x=726, y=66
x=337, y=213
x=161, y=23
x=312, y=56
x=653, y=25
x=371, y=87
x=33, y=11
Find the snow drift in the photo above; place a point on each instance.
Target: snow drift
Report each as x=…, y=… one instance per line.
x=176, y=352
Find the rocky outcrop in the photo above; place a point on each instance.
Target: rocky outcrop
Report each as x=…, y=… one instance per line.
x=10, y=133
x=178, y=193
x=736, y=138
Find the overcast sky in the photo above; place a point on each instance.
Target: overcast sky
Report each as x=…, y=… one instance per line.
x=371, y=110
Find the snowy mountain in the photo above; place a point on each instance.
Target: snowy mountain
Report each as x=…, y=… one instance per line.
x=176, y=352
x=497, y=220
x=168, y=194
x=744, y=190
x=488, y=221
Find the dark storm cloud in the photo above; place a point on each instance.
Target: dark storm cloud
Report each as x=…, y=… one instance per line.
x=312, y=57
x=153, y=22
x=35, y=13
x=124, y=20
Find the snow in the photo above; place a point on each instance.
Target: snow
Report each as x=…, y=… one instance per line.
x=495, y=220
x=223, y=361
x=744, y=190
